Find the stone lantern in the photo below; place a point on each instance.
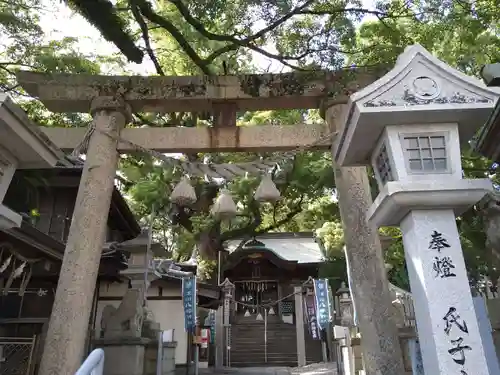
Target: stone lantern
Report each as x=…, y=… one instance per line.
x=140, y=270
x=346, y=308
x=227, y=288
x=408, y=126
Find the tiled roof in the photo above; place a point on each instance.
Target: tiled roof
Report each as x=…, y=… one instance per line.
x=299, y=247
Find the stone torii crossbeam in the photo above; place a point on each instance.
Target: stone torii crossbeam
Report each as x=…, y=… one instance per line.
x=112, y=99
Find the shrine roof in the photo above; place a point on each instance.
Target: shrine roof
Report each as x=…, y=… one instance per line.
x=300, y=247
x=293, y=247
x=27, y=144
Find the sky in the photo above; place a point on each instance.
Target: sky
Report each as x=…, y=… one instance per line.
x=59, y=21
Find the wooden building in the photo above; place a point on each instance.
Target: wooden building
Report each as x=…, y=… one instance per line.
x=266, y=271
x=31, y=256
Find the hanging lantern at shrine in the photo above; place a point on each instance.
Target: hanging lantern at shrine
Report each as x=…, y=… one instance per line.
x=183, y=193
x=267, y=190
x=224, y=207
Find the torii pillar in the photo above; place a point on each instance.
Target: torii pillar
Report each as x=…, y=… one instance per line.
x=380, y=338
x=110, y=100
x=68, y=327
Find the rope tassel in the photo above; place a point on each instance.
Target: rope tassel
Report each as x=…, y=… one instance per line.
x=183, y=193
x=267, y=190
x=224, y=207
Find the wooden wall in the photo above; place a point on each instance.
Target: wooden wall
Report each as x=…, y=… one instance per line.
x=53, y=198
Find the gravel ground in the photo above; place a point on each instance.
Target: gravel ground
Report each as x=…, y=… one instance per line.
x=314, y=369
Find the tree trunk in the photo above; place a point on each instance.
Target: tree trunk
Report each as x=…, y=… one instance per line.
x=379, y=335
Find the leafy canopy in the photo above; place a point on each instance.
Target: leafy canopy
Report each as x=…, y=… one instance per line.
x=229, y=37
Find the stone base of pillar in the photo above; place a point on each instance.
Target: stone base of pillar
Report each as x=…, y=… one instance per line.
x=124, y=356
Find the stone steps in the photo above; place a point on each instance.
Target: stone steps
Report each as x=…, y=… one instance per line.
x=248, y=348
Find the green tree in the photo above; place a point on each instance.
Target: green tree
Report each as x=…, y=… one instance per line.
x=466, y=36
x=223, y=37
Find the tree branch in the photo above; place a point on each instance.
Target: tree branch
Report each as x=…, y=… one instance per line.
x=289, y=216
x=102, y=15
x=198, y=26
x=255, y=222
x=237, y=43
x=145, y=36
x=148, y=12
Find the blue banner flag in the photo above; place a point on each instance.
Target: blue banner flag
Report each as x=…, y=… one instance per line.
x=211, y=320
x=189, y=302
x=322, y=303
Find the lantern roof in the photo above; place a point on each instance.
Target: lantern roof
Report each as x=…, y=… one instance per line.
x=419, y=90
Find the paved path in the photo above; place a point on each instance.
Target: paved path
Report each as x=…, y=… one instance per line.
x=315, y=369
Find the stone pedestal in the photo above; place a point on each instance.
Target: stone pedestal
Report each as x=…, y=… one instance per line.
x=447, y=323
x=124, y=356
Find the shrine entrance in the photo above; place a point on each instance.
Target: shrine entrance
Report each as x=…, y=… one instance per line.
x=253, y=292
x=112, y=99
x=266, y=274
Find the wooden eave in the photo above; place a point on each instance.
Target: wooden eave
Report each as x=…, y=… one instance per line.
x=234, y=258
x=36, y=239
x=53, y=249
x=488, y=141
x=204, y=289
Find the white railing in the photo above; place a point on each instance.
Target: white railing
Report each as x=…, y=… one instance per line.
x=93, y=365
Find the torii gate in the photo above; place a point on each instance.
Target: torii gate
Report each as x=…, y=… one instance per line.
x=111, y=100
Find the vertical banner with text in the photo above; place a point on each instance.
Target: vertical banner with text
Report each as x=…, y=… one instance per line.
x=211, y=320
x=310, y=316
x=322, y=303
x=189, y=302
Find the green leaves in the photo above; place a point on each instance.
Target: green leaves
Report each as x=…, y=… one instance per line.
x=223, y=37
x=331, y=235
x=468, y=34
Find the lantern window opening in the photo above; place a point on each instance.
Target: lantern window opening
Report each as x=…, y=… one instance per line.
x=382, y=165
x=426, y=153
